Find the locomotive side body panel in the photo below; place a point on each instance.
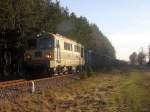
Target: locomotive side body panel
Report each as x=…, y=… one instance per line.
x=66, y=53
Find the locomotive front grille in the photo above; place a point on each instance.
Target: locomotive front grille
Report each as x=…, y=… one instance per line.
x=38, y=54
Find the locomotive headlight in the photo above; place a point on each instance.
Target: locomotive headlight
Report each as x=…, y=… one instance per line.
x=48, y=56
x=27, y=56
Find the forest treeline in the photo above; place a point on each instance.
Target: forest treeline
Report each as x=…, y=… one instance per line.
x=139, y=58
x=31, y=17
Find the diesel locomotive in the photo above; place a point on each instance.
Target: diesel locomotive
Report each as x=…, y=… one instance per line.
x=54, y=54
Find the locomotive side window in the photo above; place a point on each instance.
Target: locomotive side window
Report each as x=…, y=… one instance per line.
x=67, y=46
x=76, y=48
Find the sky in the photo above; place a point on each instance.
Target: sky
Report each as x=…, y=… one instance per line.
x=126, y=23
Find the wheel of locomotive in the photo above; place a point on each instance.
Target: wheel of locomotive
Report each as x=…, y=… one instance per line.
x=59, y=70
x=70, y=70
x=77, y=69
x=64, y=70
x=50, y=71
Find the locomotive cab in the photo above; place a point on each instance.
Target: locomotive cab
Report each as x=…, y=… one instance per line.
x=40, y=53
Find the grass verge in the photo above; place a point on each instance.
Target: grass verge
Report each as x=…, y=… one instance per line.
x=132, y=94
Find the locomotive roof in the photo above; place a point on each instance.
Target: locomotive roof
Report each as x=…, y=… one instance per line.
x=63, y=37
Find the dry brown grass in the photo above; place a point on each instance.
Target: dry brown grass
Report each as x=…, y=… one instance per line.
x=101, y=93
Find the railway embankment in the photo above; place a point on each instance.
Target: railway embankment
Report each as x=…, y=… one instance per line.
x=12, y=90
x=113, y=92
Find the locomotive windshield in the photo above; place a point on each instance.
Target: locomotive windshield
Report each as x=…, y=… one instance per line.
x=41, y=43
x=45, y=43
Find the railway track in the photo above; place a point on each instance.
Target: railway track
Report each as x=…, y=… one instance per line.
x=17, y=88
x=22, y=81
x=11, y=83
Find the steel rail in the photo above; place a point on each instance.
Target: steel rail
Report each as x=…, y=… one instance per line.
x=22, y=82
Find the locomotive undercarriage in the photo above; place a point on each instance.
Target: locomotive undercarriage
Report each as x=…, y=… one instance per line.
x=46, y=71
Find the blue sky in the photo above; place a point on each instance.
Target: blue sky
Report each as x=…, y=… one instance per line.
x=126, y=23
